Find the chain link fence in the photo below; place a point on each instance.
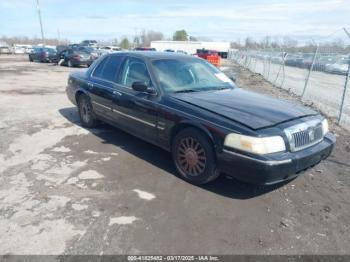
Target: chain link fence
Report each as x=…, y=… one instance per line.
x=319, y=74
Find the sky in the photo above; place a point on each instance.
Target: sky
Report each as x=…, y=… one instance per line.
x=218, y=20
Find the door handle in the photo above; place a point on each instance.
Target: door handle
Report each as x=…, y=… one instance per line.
x=90, y=85
x=117, y=93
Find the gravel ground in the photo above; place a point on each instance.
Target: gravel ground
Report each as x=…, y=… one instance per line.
x=69, y=190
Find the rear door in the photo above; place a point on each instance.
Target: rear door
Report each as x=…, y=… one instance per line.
x=37, y=54
x=102, y=85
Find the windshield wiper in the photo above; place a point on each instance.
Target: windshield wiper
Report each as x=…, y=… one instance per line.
x=223, y=88
x=186, y=91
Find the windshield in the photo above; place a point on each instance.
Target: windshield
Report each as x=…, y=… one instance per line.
x=50, y=50
x=189, y=76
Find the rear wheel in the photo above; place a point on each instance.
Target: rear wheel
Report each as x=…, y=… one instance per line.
x=194, y=158
x=86, y=113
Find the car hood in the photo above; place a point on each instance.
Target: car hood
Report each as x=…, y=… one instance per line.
x=248, y=108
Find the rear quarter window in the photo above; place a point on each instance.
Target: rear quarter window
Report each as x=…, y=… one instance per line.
x=98, y=71
x=111, y=66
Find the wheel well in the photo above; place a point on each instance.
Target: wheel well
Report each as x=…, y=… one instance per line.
x=77, y=95
x=178, y=128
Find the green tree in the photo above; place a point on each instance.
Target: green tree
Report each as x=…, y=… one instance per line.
x=125, y=44
x=180, y=35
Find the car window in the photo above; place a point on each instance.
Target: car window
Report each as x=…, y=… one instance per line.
x=98, y=71
x=111, y=68
x=179, y=75
x=135, y=70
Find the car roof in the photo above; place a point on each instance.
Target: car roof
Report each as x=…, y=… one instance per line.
x=156, y=55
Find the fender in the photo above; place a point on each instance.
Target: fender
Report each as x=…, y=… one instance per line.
x=187, y=123
x=79, y=92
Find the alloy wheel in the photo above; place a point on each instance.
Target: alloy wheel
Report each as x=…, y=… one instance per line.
x=191, y=156
x=85, y=111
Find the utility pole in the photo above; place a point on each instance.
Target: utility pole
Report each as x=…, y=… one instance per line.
x=59, y=35
x=41, y=23
x=346, y=32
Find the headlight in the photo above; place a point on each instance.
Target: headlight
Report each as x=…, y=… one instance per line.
x=325, y=127
x=256, y=145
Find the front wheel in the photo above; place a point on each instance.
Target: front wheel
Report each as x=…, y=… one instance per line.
x=86, y=113
x=194, y=157
x=70, y=64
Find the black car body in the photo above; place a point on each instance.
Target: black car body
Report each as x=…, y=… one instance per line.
x=131, y=91
x=43, y=54
x=72, y=58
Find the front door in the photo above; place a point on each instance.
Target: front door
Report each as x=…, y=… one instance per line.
x=137, y=110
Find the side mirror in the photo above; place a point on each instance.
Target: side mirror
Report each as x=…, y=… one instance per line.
x=140, y=86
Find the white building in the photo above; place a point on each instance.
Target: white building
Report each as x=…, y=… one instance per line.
x=191, y=47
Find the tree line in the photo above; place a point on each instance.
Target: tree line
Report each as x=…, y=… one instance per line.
x=145, y=38
x=142, y=39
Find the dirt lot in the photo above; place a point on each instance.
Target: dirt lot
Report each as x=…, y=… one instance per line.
x=68, y=190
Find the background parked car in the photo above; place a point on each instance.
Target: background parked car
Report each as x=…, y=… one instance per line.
x=92, y=51
x=307, y=60
x=293, y=60
x=5, y=50
x=181, y=52
x=210, y=55
x=144, y=49
x=109, y=49
x=22, y=49
x=322, y=62
x=43, y=54
x=339, y=67
x=91, y=43
x=204, y=53
x=74, y=58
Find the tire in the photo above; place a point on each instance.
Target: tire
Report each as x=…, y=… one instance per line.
x=30, y=59
x=86, y=113
x=194, y=157
x=70, y=64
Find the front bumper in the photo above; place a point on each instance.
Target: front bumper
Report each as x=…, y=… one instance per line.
x=274, y=168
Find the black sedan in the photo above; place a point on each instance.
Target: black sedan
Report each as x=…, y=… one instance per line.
x=191, y=109
x=43, y=54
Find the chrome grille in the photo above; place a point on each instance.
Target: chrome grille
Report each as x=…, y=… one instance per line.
x=304, y=135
